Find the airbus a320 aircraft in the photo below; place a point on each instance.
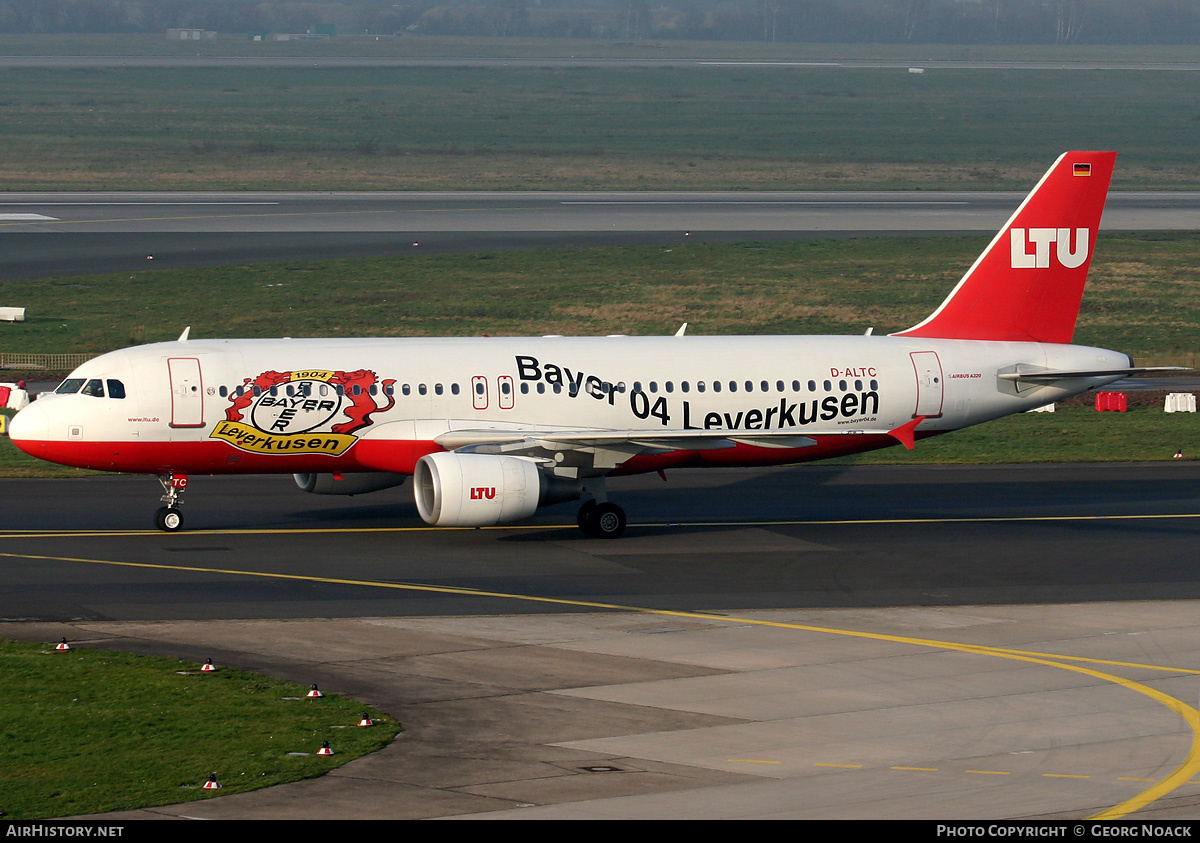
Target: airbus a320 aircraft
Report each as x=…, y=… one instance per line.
x=493, y=428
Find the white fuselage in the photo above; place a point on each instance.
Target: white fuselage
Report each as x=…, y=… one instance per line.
x=310, y=405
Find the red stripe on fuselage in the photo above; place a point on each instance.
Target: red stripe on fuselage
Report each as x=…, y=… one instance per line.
x=398, y=456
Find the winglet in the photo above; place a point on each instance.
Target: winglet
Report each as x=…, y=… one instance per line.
x=682, y=330
x=183, y=337
x=904, y=433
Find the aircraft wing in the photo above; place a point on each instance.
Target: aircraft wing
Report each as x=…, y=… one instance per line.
x=610, y=448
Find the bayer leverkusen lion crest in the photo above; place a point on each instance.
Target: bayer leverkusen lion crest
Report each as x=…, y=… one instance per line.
x=309, y=411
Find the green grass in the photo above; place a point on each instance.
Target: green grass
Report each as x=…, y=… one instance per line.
x=89, y=731
x=596, y=127
x=1070, y=434
x=1141, y=298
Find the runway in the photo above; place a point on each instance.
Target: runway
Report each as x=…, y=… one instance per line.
x=63, y=234
x=16, y=62
x=715, y=655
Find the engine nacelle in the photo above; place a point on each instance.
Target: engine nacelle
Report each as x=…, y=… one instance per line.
x=481, y=490
x=348, y=484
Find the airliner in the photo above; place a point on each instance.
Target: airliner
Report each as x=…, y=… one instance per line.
x=490, y=429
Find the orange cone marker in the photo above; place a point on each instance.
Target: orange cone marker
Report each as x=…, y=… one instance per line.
x=212, y=783
x=208, y=667
x=366, y=720
x=63, y=645
x=325, y=750
x=313, y=693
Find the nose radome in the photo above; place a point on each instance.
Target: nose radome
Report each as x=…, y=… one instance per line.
x=28, y=426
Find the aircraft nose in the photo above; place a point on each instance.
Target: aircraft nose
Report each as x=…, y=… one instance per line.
x=29, y=426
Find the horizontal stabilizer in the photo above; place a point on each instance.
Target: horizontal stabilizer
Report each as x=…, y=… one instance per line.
x=1053, y=376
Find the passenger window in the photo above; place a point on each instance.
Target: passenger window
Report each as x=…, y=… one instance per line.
x=421, y=388
x=69, y=387
x=454, y=389
x=716, y=386
x=405, y=389
x=94, y=388
x=437, y=387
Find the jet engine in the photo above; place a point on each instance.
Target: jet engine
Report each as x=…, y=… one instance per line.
x=348, y=484
x=480, y=490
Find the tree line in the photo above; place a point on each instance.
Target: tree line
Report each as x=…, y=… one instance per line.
x=836, y=21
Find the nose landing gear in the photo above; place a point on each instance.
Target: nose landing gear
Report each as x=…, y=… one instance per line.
x=168, y=518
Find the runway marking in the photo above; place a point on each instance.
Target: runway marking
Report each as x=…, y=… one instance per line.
x=193, y=217
x=1190, y=715
x=130, y=204
x=653, y=525
x=749, y=203
x=752, y=761
x=27, y=218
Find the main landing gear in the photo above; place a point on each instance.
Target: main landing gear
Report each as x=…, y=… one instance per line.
x=168, y=518
x=601, y=520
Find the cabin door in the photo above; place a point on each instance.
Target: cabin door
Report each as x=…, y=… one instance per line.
x=187, y=392
x=929, y=383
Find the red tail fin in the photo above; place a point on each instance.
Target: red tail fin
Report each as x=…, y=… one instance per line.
x=1027, y=284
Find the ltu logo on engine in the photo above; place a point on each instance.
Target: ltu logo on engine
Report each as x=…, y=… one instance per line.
x=478, y=493
x=1040, y=239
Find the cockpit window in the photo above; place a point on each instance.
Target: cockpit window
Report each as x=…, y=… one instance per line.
x=69, y=387
x=94, y=388
x=116, y=389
